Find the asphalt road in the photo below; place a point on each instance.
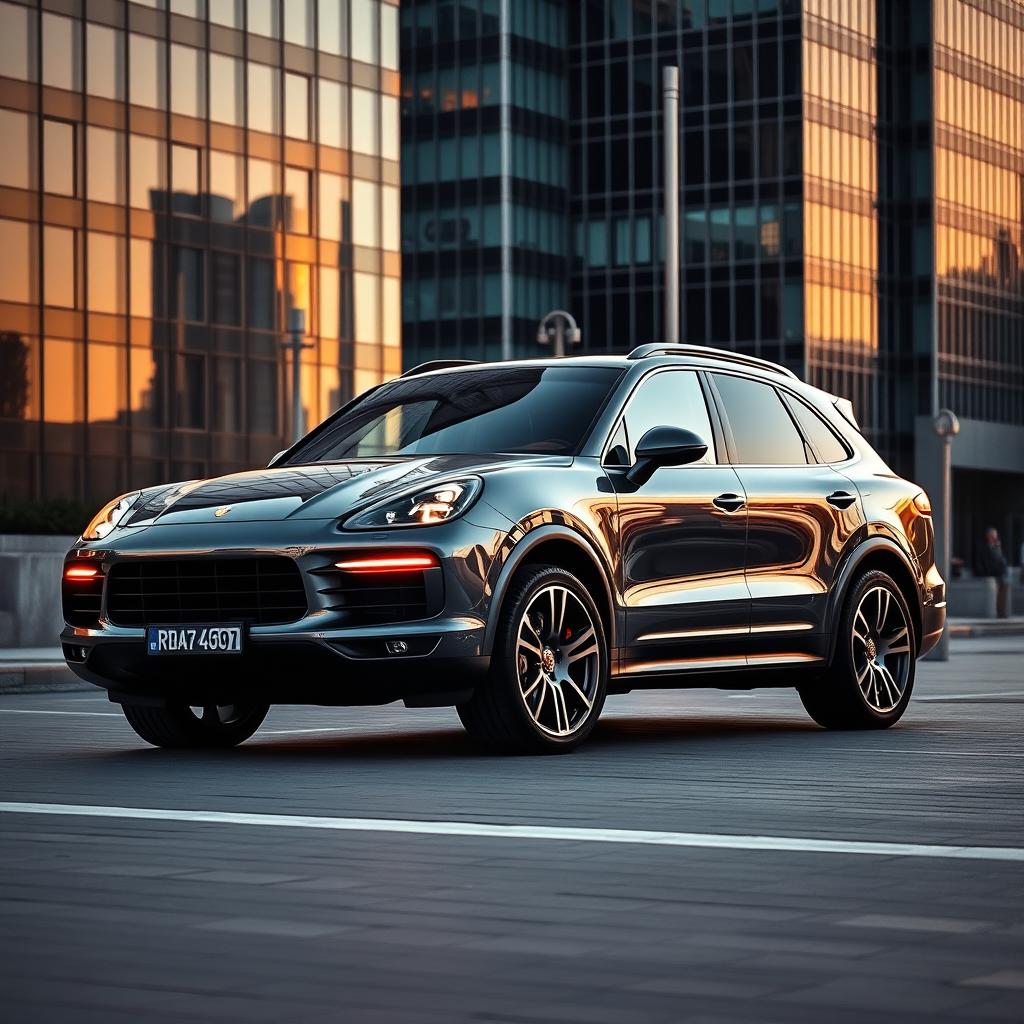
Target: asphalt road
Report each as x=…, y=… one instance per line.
x=114, y=919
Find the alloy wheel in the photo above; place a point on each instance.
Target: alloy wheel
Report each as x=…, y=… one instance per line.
x=557, y=661
x=881, y=649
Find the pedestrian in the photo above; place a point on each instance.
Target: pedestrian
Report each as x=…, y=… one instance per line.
x=992, y=563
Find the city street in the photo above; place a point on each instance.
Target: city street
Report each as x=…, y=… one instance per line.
x=670, y=905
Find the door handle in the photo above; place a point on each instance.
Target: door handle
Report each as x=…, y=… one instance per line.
x=729, y=502
x=841, y=499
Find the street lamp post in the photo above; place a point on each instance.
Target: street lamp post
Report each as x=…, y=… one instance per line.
x=553, y=326
x=294, y=342
x=947, y=426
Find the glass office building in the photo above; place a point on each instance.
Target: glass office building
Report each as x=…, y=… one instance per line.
x=182, y=180
x=851, y=187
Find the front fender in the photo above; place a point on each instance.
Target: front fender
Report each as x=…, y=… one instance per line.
x=872, y=545
x=524, y=538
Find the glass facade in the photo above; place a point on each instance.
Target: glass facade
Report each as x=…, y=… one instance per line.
x=179, y=176
x=852, y=177
x=484, y=175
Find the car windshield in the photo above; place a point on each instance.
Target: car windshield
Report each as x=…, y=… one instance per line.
x=518, y=409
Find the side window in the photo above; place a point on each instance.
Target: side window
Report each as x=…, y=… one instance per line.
x=764, y=432
x=668, y=398
x=828, y=446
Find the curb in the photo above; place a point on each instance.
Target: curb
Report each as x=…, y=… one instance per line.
x=40, y=678
x=972, y=630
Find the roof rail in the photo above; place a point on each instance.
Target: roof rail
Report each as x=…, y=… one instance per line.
x=438, y=364
x=707, y=352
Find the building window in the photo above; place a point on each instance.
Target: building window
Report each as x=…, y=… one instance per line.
x=105, y=64
x=296, y=106
x=60, y=158
x=333, y=114
x=365, y=34
x=18, y=42
x=297, y=205
x=105, y=273
x=148, y=175
x=185, y=180
x=333, y=27
x=264, y=99
x=188, y=81
x=104, y=167
x=365, y=213
x=226, y=12
x=263, y=17
x=147, y=86
x=226, y=90
x=227, y=186
x=17, y=168
x=190, y=392
x=59, y=267
x=62, y=52
x=365, y=121
x=298, y=22
x=17, y=261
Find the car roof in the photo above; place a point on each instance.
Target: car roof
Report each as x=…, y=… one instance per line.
x=643, y=356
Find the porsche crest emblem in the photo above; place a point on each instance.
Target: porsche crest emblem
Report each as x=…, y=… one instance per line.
x=222, y=511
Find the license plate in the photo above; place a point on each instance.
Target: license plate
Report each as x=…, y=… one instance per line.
x=194, y=639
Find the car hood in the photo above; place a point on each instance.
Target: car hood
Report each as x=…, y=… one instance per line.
x=326, y=491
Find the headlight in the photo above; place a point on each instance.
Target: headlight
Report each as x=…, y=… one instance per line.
x=109, y=517
x=427, y=507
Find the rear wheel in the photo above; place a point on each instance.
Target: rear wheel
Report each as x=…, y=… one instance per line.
x=549, y=670
x=212, y=726
x=872, y=674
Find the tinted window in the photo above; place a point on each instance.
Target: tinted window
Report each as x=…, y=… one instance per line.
x=543, y=410
x=828, y=446
x=670, y=398
x=762, y=429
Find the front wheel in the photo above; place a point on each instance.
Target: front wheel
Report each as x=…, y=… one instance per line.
x=210, y=727
x=549, y=670
x=871, y=678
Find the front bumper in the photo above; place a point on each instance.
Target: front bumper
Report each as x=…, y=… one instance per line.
x=320, y=658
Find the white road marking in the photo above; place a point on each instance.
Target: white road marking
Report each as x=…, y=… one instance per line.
x=968, y=696
x=32, y=711
x=929, y=753
x=486, y=830
x=293, y=732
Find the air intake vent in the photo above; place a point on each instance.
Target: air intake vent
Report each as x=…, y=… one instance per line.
x=375, y=598
x=259, y=591
x=82, y=600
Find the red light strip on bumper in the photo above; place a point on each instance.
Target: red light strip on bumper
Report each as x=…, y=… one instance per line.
x=389, y=563
x=81, y=572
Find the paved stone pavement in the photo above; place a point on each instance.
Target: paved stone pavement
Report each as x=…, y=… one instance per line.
x=112, y=920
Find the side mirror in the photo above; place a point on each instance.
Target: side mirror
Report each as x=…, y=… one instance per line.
x=276, y=458
x=665, y=446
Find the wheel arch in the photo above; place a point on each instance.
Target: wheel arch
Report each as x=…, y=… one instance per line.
x=565, y=548
x=885, y=555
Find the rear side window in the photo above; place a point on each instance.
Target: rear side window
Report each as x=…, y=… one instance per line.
x=763, y=430
x=827, y=445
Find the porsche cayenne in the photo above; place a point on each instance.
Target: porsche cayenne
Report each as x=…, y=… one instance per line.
x=519, y=540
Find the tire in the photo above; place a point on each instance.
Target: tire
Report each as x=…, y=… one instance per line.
x=871, y=678
x=546, y=686
x=214, y=727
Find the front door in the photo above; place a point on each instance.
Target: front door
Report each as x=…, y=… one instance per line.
x=801, y=514
x=682, y=538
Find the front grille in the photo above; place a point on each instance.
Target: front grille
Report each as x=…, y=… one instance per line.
x=81, y=601
x=258, y=591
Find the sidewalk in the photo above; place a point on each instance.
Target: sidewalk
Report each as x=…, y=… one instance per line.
x=37, y=670
x=1013, y=626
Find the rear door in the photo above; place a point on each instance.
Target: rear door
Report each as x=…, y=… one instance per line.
x=682, y=535
x=801, y=514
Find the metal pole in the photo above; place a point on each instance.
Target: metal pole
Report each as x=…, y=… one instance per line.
x=670, y=90
x=294, y=343
x=505, y=184
x=946, y=426
x=942, y=648
x=559, y=337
